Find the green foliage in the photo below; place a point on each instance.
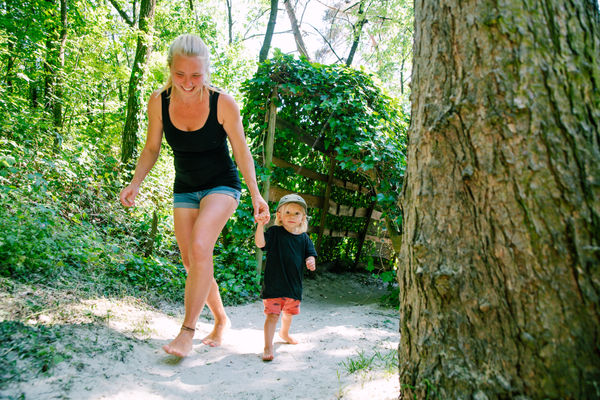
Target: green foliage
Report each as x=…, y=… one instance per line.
x=54, y=229
x=235, y=262
x=388, y=277
x=60, y=218
x=33, y=351
x=354, y=119
x=387, y=361
x=27, y=349
x=360, y=362
x=60, y=222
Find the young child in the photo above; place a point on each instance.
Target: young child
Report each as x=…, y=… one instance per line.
x=288, y=249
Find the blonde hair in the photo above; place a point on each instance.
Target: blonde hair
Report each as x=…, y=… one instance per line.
x=190, y=46
x=303, y=227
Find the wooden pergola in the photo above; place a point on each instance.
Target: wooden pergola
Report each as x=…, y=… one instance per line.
x=272, y=192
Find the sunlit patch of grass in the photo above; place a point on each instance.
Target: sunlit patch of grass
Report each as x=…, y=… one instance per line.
x=358, y=363
x=386, y=360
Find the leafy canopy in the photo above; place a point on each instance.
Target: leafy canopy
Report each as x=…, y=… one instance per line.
x=362, y=127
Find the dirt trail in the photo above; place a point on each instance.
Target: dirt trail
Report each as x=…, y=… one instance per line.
x=340, y=328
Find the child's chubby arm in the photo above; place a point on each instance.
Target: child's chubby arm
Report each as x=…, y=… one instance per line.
x=259, y=235
x=311, y=263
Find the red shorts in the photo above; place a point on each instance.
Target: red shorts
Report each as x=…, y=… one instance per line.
x=279, y=304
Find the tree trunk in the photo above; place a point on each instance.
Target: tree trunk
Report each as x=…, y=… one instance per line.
x=264, y=50
x=296, y=29
x=362, y=20
x=51, y=56
x=129, y=139
x=10, y=56
x=229, y=21
x=57, y=110
x=500, y=278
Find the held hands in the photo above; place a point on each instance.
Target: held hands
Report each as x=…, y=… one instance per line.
x=261, y=210
x=311, y=263
x=128, y=195
x=262, y=219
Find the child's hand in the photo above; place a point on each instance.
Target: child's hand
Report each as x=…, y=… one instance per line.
x=262, y=218
x=311, y=264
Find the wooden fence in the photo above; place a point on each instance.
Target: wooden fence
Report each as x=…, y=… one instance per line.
x=272, y=192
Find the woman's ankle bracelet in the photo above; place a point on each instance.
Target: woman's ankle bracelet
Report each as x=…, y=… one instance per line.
x=187, y=328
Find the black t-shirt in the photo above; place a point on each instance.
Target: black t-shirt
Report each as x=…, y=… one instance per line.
x=286, y=260
x=201, y=157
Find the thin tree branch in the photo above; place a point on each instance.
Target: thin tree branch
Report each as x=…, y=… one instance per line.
x=259, y=16
x=327, y=42
x=122, y=13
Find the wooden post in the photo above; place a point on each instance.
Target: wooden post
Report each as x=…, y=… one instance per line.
x=363, y=234
x=325, y=208
x=269, y=144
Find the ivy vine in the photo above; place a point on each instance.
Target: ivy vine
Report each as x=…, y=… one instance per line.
x=353, y=118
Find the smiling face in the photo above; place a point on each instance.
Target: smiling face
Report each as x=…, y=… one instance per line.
x=187, y=74
x=291, y=216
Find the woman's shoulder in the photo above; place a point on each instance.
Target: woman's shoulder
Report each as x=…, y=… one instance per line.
x=226, y=100
x=155, y=103
x=157, y=94
x=227, y=108
x=155, y=97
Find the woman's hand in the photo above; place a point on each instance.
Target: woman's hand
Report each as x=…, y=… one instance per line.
x=262, y=219
x=261, y=209
x=128, y=195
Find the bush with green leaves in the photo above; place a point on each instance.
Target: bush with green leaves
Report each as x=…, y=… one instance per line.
x=361, y=126
x=60, y=221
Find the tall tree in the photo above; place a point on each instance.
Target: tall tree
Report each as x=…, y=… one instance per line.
x=57, y=110
x=55, y=60
x=229, y=21
x=129, y=139
x=296, y=29
x=264, y=50
x=500, y=283
x=357, y=31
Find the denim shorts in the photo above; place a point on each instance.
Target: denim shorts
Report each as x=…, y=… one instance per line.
x=192, y=200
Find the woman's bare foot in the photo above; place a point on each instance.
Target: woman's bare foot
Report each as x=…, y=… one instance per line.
x=181, y=346
x=215, y=338
x=268, y=354
x=288, y=339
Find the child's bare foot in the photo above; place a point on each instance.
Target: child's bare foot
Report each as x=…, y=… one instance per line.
x=181, y=346
x=215, y=338
x=288, y=339
x=268, y=354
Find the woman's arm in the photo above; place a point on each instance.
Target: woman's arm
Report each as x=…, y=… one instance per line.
x=228, y=114
x=149, y=153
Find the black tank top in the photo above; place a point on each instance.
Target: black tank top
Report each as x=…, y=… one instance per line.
x=201, y=157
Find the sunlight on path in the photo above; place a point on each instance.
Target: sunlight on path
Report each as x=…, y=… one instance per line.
x=329, y=334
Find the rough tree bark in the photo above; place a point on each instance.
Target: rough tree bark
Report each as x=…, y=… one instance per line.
x=129, y=139
x=500, y=277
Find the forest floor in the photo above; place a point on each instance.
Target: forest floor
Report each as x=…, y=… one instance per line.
x=111, y=349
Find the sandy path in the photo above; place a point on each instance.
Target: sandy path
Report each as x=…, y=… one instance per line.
x=338, y=320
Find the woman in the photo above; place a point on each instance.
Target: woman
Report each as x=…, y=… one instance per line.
x=197, y=121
